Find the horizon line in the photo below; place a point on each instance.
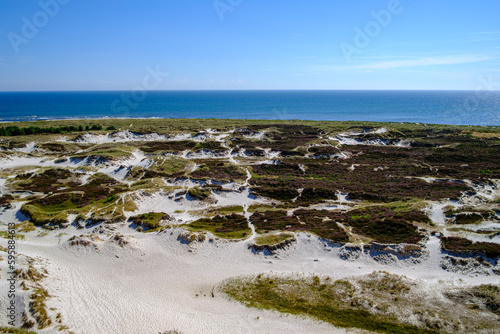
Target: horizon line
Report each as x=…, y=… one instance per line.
x=233, y=90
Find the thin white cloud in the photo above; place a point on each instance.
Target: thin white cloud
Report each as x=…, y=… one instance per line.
x=483, y=33
x=419, y=62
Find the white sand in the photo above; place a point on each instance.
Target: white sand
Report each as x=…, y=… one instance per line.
x=152, y=286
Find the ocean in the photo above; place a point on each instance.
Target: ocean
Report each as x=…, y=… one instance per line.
x=434, y=107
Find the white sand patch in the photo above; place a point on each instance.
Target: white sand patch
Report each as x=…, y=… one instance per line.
x=12, y=214
x=179, y=137
x=115, y=137
x=200, y=137
x=221, y=137
x=381, y=130
x=24, y=161
x=255, y=135
x=369, y=142
x=426, y=179
x=2, y=185
x=30, y=147
x=271, y=154
x=484, y=192
x=116, y=169
x=178, y=204
x=348, y=138
x=84, y=179
x=342, y=197
x=207, y=154
x=436, y=213
x=378, y=131
x=184, y=183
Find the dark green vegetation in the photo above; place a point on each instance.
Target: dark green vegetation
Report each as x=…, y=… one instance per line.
x=199, y=193
x=470, y=215
x=149, y=221
x=33, y=130
x=457, y=245
x=232, y=226
x=270, y=239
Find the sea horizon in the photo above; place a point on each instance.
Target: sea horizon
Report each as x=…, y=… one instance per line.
x=453, y=107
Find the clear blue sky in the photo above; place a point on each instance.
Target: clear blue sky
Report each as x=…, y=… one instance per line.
x=252, y=44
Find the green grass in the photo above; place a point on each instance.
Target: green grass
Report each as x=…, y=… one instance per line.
x=107, y=153
x=25, y=226
x=199, y=193
x=332, y=302
x=12, y=330
x=232, y=226
x=169, y=165
x=6, y=235
x=39, y=216
x=272, y=238
x=38, y=307
x=226, y=210
x=150, y=221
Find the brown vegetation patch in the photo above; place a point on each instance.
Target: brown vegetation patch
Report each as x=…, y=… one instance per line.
x=456, y=245
x=378, y=223
x=167, y=147
x=216, y=170
x=231, y=226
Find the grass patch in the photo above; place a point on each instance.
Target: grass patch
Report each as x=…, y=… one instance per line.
x=25, y=226
x=38, y=307
x=6, y=235
x=271, y=239
x=169, y=166
x=199, y=193
x=339, y=303
x=12, y=330
x=39, y=216
x=232, y=226
x=150, y=221
x=226, y=210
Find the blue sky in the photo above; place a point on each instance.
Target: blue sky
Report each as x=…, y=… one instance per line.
x=249, y=44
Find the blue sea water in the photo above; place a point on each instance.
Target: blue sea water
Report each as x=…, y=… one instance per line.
x=436, y=107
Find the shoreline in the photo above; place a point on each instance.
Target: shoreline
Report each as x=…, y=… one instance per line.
x=69, y=121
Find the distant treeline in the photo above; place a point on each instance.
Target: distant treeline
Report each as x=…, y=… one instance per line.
x=33, y=130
